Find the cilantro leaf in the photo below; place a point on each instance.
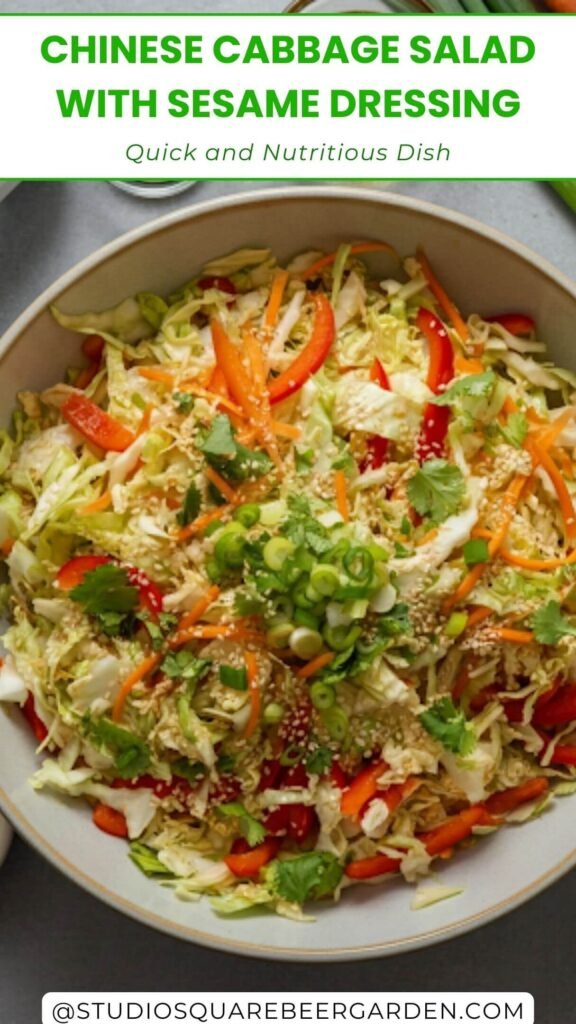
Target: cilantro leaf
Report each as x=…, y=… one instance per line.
x=319, y=761
x=147, y=860
x=307, y=876
x=448, y=725
x=235, y=461
x=131, y=755
x=474, y=385
x=476, y=551
x=190, y=506
x=550, y=625
x=219, y=440
x=235, y=678
x=436, y=489
x=183, y=401
x=185, y=666
x=107, y=593
x=515, y=429
x=252, y=829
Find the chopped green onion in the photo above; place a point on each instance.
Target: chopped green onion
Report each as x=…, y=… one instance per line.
x=325, y=579
x=306, y=643
x=340, y=638
x=248, y=515
x=272, y=512
x=213, y=570
x=276, y=551
x=322, y=695
x=291, y=756
x=273, y=713
x=336, y=721
x=359, y=563
x=476, y=552
x=229, y=548
x=302, y=617
x=300, y=597
x=339, y=550
x=235, y=678
x=279, y=634
x=456, y=624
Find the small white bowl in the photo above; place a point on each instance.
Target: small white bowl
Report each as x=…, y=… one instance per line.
x=484, y=271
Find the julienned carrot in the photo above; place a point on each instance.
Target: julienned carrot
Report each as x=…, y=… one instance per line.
x=191, y=617
x=536, y=564
x=259, y=373
x=395, y=795
x=232, y=631
x=355, y=250
x=315, y=665
x=548, y=435
x=362, y=789
x=453, y=831
x=238, y=380
x=130, y=682
x=509, y=799
x=251, y=663
x=478, y=615
x=463, y=365
x=514, y=636
x=442, y=298
x=199, y=524
x=287, y=430
x=562, y=492
x=212, y=396
x=110, y=821
x=341, y=495
x=275, y=298
x=220, y=484
x=98, y=505
x=510, y=500
x=481, y=531
x=156, y=373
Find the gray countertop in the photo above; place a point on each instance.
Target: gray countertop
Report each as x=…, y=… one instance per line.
x=53, y=936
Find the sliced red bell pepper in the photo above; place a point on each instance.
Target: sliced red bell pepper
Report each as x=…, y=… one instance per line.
x=338, y=776
x=376, y=447
x=453, y=831
x=301, y=822
x=441, y=352
x=510, y=799
x=361, y=789
x=432, y=438
x=277, y=821
x=312, y=356
x=245, y=862
x=515, y=323
x=223, y=284
x=73, y=572
x=431, y=443
x=96, y=425
x=560, y=710
x=33, y=718
x=93, y=347
x=110, y=821
x=372, y=867
x=270, y=773
x=564, y=753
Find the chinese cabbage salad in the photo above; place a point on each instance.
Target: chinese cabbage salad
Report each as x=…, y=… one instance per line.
x=289, y=572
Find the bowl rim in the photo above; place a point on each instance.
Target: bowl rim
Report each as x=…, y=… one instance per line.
x=30, y=314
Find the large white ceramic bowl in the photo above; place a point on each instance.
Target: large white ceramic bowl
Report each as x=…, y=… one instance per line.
x=484, y=271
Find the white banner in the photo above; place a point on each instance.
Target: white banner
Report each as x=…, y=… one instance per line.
x=256, y=96
x=285, y=1007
